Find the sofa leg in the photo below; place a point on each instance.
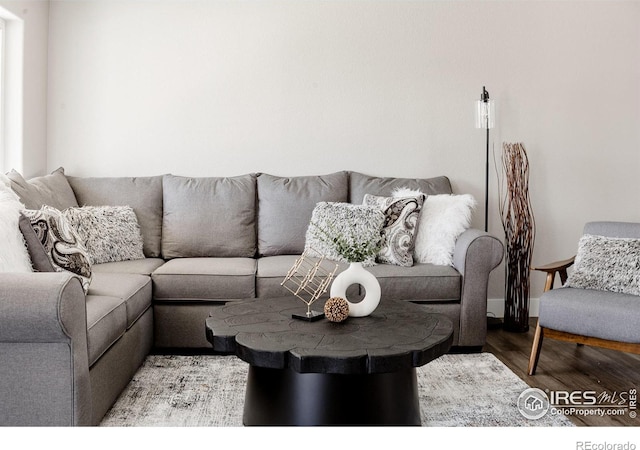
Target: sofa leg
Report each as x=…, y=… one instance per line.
x=535, y=350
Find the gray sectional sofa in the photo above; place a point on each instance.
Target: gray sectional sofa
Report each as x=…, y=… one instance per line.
x=66, y=356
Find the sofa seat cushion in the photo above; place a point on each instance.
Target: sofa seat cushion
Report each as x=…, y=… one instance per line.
x=272, y=271
x=202, y=279
x=139, y=266
x=420, y=282
x=106, y=323
x=134, y=290
x=588, y=312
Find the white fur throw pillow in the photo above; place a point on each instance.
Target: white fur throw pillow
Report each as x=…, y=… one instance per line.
x=444, y=218
x=13, y=249
x=109, y=233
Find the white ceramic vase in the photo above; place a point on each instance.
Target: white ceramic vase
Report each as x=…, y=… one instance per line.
x=357, y=274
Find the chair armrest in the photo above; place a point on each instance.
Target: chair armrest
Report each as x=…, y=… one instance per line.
x=556, y=266
x=559, y=267
x=475, y=255
x=43, y=351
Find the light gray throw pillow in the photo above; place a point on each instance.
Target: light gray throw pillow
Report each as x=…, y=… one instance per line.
x=608, y=264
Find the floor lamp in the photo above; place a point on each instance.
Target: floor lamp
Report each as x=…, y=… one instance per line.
x=485, y=119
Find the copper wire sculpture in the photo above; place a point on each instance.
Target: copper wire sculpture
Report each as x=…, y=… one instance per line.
x=308, y=279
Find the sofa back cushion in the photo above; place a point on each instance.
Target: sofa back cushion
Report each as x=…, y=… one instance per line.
x=614, y=229
x=51, y=190
x=143, y=194
x=209, y=217
x=285, y=205
x=360, y=184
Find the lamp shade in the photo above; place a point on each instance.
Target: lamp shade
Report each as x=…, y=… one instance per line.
x=485, y=114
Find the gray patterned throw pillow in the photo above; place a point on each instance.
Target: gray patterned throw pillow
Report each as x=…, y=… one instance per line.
x=401, y=220
x=607, y=263
x=54, y=236
x=109, y=233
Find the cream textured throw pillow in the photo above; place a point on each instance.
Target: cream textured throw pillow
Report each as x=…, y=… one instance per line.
x=444, y=218
x=13, y=249
x=607, y=264
x=342, y=231
x=109, y=233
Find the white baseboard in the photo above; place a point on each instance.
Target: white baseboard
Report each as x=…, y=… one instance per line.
x=495, y=307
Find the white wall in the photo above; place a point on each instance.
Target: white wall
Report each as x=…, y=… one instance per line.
x=28, y=152
x=221, y=88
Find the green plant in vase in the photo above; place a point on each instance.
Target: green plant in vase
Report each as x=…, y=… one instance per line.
x=351, y=243
x=351, y=246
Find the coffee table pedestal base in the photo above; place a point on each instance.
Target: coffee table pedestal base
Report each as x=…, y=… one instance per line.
x=284, y=397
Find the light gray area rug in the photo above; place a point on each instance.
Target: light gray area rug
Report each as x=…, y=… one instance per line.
x=208, y=390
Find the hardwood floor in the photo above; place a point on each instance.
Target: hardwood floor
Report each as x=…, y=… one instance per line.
x=564, y=366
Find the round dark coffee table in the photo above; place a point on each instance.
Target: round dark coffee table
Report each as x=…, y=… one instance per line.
x=357, y=372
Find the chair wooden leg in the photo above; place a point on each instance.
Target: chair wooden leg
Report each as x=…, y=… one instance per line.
x=548, y=285
x=535, y=349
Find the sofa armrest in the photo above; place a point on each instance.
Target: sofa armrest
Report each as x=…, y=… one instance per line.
x=43, y=351
x=475, y=255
